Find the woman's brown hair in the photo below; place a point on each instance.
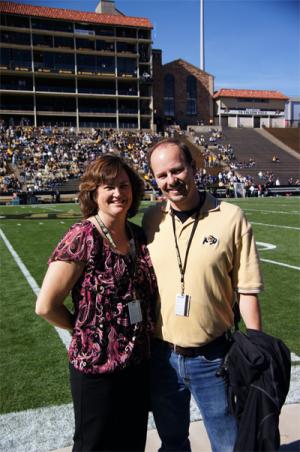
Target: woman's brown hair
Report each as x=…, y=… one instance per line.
x=104, y=170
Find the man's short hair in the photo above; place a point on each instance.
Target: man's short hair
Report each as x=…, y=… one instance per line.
x=181, y=145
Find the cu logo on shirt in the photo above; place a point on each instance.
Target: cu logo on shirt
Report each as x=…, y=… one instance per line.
x=210, y=240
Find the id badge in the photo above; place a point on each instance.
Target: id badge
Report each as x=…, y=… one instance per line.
x=182, y=305
x=135, y=312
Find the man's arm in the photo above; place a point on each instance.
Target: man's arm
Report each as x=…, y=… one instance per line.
x=250, y=311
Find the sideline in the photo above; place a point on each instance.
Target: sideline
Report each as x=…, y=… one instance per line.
x=63, y=334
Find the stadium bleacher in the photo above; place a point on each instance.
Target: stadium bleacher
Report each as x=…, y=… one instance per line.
x=249, y=143
x=289, y=136
x=45, y=163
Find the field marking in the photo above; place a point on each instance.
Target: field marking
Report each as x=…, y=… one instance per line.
x=281, y=264
x=293, y=212
x=265, y=246
x=276, y=226
x=63, y=334
x=53, y=208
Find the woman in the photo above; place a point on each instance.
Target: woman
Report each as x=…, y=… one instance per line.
x=104, y=261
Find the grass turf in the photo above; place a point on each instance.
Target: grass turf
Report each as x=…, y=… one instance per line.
x=33, y=370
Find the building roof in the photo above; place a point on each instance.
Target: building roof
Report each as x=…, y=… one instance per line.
x=250, y=93
x=69, y=14
x=190, y=67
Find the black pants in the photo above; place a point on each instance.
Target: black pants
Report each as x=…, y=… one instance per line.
x=111, y=410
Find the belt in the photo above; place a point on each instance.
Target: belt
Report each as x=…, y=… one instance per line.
x=190, y=352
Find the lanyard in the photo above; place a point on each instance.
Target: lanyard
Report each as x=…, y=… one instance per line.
x=183, y=268
x=132, y=269
x=105, y=231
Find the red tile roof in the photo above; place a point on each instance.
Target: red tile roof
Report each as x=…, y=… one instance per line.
x=69, y=14
x=252, y=93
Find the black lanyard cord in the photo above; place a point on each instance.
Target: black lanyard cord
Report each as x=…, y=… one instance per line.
x=183, y=268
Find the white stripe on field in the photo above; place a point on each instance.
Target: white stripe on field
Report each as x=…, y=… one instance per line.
x=53, y=208
x=294, y=212
x=63, y=334
x=280, y=263
x=276, y=226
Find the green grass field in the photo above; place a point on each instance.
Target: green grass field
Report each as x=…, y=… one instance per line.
x=33, y=369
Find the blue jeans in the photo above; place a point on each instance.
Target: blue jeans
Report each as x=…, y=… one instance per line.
x=174, y=379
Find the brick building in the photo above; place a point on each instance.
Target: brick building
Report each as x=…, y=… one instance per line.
x=75, y=68
x=182, y=93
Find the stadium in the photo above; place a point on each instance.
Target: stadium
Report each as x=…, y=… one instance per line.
x=44, y=151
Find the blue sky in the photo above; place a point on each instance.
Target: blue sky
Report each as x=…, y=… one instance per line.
x=252, y=44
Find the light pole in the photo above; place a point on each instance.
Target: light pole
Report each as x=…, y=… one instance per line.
x=202, y=66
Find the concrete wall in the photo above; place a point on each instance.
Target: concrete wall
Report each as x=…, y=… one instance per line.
x=245, y=121
x=277, y=122
x=231, y=121
x=264, y=122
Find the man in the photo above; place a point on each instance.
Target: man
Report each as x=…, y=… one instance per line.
x=204, y=256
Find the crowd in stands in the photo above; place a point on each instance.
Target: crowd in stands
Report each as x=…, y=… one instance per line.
x=42, y=159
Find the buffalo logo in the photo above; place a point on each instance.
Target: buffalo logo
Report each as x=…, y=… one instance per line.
x=210, y=240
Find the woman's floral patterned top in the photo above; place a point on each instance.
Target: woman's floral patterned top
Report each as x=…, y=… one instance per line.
x=103, y=339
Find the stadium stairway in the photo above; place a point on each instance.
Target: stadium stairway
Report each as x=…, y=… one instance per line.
x=251, y=143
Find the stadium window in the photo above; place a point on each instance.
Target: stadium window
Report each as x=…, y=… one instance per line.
x=106, y=46
x=20, y=57
x=62, y=41
x=14, y=21
x=85, y=44
x=13, y=37
x=143, y=34
x=126, y=32
x=54, y=25
x=42, y=40
x=104, y=31
x=191, y=94
x=169, y=95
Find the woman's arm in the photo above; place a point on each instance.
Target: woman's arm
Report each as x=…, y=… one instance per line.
x=59, y=280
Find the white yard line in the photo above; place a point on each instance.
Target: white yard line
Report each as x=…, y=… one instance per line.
x=275, y=226
x=63, y=334
x=293, y=212
x=53, y=208
x=281, y=264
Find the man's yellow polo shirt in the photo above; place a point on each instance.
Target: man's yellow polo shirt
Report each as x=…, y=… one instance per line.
x=222, y=261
